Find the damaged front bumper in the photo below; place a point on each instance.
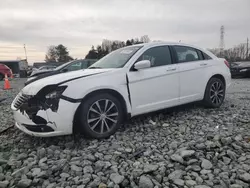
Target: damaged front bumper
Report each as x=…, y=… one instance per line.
x=35, y=119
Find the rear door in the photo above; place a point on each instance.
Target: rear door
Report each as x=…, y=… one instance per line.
x=192, y=71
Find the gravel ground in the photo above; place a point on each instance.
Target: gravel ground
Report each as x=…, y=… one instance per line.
x=188, y=146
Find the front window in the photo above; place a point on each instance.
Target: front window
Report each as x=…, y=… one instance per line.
x=158, y=56
x=117, y=58
x=74, y=66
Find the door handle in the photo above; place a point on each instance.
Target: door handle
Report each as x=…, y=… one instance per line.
x=171, y=69
x=203, y=64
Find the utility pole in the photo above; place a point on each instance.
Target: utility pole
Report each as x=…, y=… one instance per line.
x=25, y=52
x=222, y=42
x=247, y=49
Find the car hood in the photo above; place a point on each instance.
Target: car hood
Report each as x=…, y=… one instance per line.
x=242, y=65
x=36, y=73
x=40, y=76
x=58, y=79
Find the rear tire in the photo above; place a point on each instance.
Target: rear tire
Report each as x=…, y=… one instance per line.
x=100, y=116
x=215, y=93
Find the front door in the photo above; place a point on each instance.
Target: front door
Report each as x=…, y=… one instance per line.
x=156, y=87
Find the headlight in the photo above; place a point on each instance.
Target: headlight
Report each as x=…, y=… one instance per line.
x=243, y=70
x=56, y=93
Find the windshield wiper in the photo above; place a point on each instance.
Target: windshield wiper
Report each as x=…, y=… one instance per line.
x=95, y=68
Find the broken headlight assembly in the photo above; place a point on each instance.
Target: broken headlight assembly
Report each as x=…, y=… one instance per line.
x=56, y=94
x=51, y=96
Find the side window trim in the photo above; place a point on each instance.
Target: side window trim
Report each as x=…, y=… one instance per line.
x=173, y=55
x=200, y=54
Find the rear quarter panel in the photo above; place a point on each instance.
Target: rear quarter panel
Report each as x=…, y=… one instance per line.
x=217, y=67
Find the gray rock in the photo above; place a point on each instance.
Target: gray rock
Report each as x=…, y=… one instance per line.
x=76, y=168
x=116, y=178
x=177, y=158
x=4, y=184
x=192, y=161
x=111, y=184
x=226, y=141
x=177, y=174
x=145, y=182
x=2, y=176
x=23, y=183
x=245, y=177
x=99, y=165
x=150, y=168
x=36, y=171
x=64, y=175
x=200, y=146
x=201, y=186
x=226, y=160
x=173, y=145
x=18, y=172
x=21, y=156
x=231, y=154
x=41, y=152
x=206, y=164
x=204, y=171
x=235, y=186
x=179, y=182
x=195, y=168
x=187, y=153
x=2, y=161
x=238, y=138
x=190, y=183
x=199, y=180
x=88, y=170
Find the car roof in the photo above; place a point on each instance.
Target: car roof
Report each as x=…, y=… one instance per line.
x=169, y=43
x=154, y=44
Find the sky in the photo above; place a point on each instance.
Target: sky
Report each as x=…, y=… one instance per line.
x=79, y=24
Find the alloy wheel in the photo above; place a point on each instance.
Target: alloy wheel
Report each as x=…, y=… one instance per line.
x=102, y=116
x=216, y=93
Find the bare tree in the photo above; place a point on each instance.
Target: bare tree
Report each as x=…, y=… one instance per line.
x=145, y=39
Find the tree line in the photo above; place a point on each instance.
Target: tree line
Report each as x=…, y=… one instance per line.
x=108, y=46
x=237, y=53
x=60, y=53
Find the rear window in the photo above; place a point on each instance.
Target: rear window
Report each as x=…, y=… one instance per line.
x=186, y=54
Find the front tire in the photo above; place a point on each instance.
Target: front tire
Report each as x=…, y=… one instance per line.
x=101, y=115
x=215, y=93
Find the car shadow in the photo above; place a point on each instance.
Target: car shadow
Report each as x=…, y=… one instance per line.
x=78, y=141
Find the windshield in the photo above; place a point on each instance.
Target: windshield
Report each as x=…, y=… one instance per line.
x=63, y=65
x=116, y=59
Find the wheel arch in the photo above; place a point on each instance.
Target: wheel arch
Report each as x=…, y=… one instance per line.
x=219, y=76
x=96, y=92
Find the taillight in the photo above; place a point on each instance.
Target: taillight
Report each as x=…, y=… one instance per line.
x=227, y=64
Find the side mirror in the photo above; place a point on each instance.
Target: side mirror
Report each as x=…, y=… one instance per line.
x=142, y=64
x=65, y=70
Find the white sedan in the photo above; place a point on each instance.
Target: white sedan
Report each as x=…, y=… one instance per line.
x=127, y=82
